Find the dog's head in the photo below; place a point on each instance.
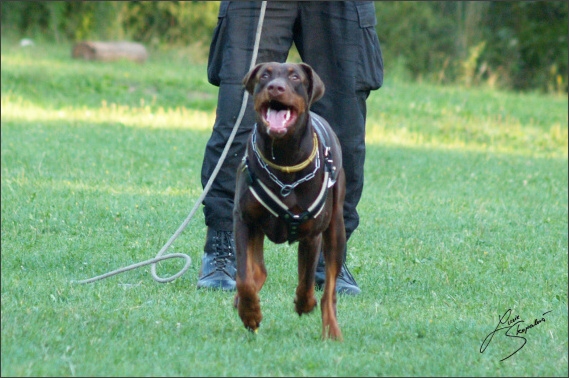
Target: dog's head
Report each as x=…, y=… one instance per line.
x=283, y=93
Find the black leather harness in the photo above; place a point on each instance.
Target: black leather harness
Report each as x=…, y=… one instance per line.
x=273, y=203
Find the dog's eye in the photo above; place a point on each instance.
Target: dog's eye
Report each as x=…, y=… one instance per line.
x=264, y=75
x=294, y=76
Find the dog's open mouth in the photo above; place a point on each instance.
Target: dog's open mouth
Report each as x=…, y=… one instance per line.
x=278, y=116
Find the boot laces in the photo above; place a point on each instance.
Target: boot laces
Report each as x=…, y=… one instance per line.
x=223, y=250
x=346, y=275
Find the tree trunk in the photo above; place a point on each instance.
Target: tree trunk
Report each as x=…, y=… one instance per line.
x=109, y=51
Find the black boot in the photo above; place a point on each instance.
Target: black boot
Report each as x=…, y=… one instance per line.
x=345, y=283
x=218, y=262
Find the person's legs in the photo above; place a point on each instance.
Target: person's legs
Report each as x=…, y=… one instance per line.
x=229, y=61
x=347, y=57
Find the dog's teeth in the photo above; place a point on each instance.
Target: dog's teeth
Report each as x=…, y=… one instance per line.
x=287, y=117
x=268, y=112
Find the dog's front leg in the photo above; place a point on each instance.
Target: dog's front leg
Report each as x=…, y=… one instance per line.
x=251, y=273
x=308, y=250
x=334, y=247
x=334, y=244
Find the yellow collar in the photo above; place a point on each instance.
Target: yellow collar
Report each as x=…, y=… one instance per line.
x=294, y=168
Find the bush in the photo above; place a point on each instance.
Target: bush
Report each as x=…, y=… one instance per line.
x=154, y=22
x=505, y=44
x=513, y=45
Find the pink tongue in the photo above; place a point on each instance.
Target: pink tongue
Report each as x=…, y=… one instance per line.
x=276, y=119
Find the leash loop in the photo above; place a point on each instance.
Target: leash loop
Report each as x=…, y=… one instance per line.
x=159, y=257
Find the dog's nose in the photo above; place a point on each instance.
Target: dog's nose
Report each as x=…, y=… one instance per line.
x=276, y=87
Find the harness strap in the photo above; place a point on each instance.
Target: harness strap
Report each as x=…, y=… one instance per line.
x=276, y=207
x=325, y=139
x=272, y=202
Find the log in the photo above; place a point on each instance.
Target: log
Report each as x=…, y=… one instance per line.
x=109, y=51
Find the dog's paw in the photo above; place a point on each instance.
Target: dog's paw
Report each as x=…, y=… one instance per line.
x=250, y=313
x=304, y=305
x=332, y=332
x=252, y=324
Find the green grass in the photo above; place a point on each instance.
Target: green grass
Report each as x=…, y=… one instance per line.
x=464, y=216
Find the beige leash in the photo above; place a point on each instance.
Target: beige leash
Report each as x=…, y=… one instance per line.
x=159, y=256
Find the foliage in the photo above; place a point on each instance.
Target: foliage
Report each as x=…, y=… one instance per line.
x=529, y=44
x=464, y=215
x=411, y=33
x=506, y=44
x=171, y=22
x=154, y=22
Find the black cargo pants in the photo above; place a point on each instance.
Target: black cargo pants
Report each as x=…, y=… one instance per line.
x=337, y=39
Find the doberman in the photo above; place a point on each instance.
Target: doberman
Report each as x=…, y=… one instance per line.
x=290, y=187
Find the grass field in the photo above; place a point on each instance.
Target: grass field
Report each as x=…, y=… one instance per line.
x=463, y=217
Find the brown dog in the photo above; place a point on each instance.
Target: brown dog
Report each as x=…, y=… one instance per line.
x=290, y=187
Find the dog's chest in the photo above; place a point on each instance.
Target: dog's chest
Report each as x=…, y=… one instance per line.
x=280, y=229
x=304, y=211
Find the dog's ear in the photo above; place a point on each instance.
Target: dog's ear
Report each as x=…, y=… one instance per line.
x=315, y=85
x=250, y=80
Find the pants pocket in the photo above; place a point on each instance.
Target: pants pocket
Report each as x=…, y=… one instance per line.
x=216, y=48
x=370, y=68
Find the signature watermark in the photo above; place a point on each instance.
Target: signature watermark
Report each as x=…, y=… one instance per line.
x=512, y=327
